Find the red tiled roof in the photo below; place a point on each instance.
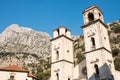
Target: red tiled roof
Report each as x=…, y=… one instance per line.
x=13, y=68
x=30, y=75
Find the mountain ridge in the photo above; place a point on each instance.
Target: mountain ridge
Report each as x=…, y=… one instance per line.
x=24, y=39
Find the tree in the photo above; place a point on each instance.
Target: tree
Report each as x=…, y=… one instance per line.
x=79, y=57
x=115, y=52
x=117, y=63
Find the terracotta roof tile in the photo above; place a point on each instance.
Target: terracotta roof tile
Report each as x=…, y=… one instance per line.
x=13, y=68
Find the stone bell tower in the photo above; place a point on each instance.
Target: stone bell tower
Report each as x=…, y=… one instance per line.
x=98, y=55
x=62, y=55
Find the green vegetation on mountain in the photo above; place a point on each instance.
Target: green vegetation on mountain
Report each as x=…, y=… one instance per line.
x=115, y=27
x=114, y=34
x=41, y=69
x=117, y=63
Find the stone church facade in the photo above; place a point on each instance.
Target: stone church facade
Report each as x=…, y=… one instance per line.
x=98, y=63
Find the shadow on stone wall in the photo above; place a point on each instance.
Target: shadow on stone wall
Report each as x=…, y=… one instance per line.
x=104, y=74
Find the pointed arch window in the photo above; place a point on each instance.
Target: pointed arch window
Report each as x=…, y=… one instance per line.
x=90, y=17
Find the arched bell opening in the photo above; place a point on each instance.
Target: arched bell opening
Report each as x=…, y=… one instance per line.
x=90, y=17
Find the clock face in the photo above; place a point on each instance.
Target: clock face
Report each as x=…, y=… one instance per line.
x=91, y=31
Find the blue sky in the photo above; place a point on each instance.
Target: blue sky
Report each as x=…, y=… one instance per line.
x=47, y=15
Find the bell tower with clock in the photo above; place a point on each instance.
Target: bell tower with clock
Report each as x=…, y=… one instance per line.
x=98, y=55
x=62, y=55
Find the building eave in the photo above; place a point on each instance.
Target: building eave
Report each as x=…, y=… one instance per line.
x=91, y=7
x=93, y=22
x=61, y=36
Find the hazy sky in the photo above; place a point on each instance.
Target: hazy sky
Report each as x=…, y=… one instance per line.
x=47, y=15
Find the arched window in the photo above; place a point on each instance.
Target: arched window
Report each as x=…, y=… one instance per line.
x=96, y=69
x=66, y=31
x=57, y=55
x=84, y=70
x=57, y=75
x=58, y=32
x=112, y=77
x=90, y=17
x=93, y=42
x=68, y=78
x=99, y=14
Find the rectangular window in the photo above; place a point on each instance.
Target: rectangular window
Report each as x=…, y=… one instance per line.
x=11, y=78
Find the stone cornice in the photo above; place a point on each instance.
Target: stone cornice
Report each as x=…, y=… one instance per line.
x=63, y=60
x=61, y=36
x=93, y=22
x=98, y=49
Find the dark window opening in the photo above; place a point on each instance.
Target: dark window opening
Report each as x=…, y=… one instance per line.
x=84, y=70
x=68, y=78
x=99, y=15
x=57, y=76
x=104, y=37
x=58, y=31
x=96, y=69
x=11, y=78
x=57, y=55
x=67, y=51
x=90, y=17
x=93, y=41
x=66, y=31
x=96, y=72
x=112, y=77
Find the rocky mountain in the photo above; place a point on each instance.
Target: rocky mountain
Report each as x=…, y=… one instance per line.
x=26, y=48
x=18, y=39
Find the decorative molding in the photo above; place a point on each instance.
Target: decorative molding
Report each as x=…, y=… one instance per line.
x=57, y=70
x=91, y=35
x=56, y=48
x=12, y=74
x=109, y=60
x=97, y=60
